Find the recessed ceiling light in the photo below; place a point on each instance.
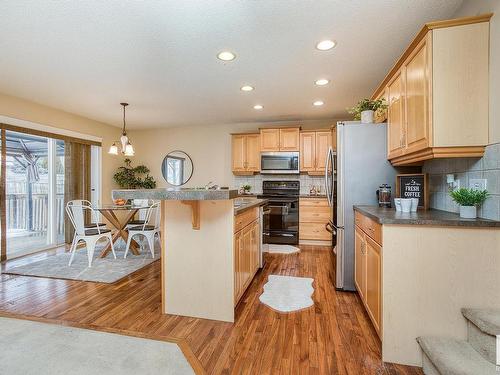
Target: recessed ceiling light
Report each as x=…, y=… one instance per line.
x=246, y=88
x=325, y=45
x=226, y=56
x=258, y=107
x=322, y=82
x=318, y=103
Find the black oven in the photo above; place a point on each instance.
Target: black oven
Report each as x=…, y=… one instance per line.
x=282, y=224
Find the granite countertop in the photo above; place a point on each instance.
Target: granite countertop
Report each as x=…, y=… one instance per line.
x=312, y=196
x=178, y=194
x=300, y=195
x=429, y=217
x=243, y=204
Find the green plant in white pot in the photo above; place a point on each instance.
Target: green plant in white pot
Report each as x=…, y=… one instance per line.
x=469, y=200
x=366, y=108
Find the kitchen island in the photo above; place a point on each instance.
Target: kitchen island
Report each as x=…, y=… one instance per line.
x=198, y=257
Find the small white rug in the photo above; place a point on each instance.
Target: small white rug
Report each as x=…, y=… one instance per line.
x=33, y=348
x=287, y=293
x=282, y=249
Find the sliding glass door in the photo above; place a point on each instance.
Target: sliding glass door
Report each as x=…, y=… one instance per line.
x=34, y=193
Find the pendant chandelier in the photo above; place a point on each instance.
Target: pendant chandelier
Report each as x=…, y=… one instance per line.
x=127, y=148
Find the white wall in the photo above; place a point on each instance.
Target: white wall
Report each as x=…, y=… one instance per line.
x=208, y=146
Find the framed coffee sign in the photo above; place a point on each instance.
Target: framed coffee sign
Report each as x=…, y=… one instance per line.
x=413, y=186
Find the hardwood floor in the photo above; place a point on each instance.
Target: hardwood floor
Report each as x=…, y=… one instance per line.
x=334, y=336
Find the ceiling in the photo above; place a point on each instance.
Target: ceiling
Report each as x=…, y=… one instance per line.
x=85, y=57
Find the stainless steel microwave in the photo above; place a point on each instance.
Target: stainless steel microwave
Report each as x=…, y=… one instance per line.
x=279, y=163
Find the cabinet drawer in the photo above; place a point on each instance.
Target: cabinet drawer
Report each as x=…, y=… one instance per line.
x=246, y=217
x=313, y=202
x=314, y=231
x=311, y=214
x=369, y=226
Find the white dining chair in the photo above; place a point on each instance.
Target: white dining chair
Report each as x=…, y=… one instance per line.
x=142, y=213
x=95, y=219
x=149, y=229
x=90, y=236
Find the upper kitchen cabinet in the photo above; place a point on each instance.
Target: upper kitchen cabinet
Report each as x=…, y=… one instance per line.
x=246, y=153
x=395, y=116
x=283, y=139
x=438, y=93
x=313, y=150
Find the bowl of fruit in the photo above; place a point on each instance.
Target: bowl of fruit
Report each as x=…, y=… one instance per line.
x=120, y=202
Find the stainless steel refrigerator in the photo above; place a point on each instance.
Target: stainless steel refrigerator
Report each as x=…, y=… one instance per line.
x=353, y=174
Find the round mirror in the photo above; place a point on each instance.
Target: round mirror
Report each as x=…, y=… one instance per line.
x=177, y=168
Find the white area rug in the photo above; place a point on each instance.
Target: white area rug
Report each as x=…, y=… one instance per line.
x=33, y=348
x=287, y=293
x=282, y=249
x=104, y=270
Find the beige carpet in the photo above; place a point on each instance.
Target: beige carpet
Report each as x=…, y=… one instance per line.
x=32, y=348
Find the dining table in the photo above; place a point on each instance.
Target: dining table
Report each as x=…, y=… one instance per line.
x=119, y=222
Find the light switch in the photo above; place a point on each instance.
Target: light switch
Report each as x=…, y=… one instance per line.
x=477, y=183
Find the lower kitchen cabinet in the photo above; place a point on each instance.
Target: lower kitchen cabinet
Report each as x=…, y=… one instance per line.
x=314, y=214
x=368, y=267
x=373, y=281
x=360, y=262
x=246, y=251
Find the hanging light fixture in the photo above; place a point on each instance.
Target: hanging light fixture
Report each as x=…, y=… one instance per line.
x=127, y=148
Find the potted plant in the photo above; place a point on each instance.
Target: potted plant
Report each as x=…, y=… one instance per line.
x=469, y=199
x=365, y=109
x=128, y=177
x=246, y=189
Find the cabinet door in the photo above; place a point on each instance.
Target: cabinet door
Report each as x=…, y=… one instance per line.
x=360, y=262
x=323, y=143
x=395, y=116
x=307, y=151
x=334, y=138
x=246, y=256
x=237, y=266
x=289, y=139
x=269, y=139
x=253, y=153
x=255, y=247
x=373, y=281
x=417, y=99
x=239, y=152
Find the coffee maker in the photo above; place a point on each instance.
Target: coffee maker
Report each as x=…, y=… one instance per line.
x=384, y=196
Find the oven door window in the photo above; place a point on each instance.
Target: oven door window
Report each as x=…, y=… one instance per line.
x=278, y=163
x=283, y=216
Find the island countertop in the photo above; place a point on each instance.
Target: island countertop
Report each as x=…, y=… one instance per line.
x=243, y=204
x=430, y=217
x=176, y=194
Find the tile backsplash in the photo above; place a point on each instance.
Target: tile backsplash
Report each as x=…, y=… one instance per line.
x=255, y=182
x=487, y=167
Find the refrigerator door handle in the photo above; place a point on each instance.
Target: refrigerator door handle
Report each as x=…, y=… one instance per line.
x=327, y=185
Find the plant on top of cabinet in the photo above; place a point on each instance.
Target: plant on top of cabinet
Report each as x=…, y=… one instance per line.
x=282, y=139
x=366, y=108
x=437, y=93
x=245, y=153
